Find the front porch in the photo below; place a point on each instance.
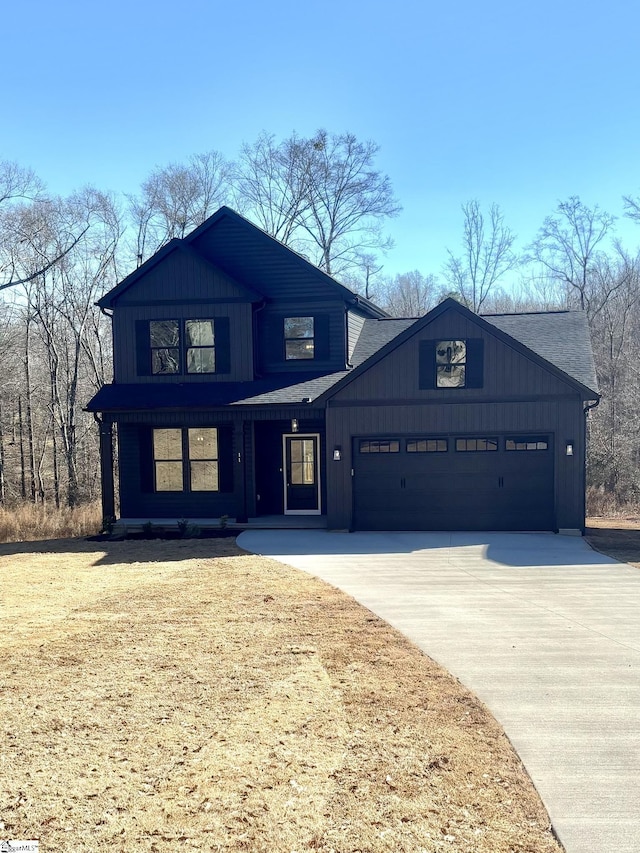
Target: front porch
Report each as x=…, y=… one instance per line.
x=263, y=522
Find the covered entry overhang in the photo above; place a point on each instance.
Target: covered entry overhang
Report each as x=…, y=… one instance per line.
x=269, y=461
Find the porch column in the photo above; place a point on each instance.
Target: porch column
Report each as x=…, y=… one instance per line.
x=240, y=470
x=105, y=428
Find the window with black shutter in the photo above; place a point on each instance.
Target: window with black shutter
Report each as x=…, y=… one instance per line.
x=178, y=347
x=451, y=363
x=189, y=459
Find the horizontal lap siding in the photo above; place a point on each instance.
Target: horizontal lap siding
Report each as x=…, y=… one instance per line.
x=355, y=323
x=260, y=262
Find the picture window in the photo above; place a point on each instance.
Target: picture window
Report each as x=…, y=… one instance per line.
x=186, y=459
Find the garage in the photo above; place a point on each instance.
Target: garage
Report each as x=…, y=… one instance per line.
x=454, y=482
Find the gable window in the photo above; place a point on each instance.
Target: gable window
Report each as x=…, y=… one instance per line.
x=299, y=340
x=451, y=364
x=164, y=336
x=186, y=460
x=200, y=342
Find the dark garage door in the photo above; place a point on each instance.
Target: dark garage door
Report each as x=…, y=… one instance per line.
x=454, y=483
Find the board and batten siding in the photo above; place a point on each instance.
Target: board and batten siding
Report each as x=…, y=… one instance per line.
x=329, y=337
x=240, y=339
x=506, y=373
x=563, y=419
x=138, y=503
x=182, y=276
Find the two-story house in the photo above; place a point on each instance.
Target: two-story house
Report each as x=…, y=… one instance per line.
x=249, y=383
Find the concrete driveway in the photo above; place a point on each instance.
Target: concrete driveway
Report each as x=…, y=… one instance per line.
x=540, y=627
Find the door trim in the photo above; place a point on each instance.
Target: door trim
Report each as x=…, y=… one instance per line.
x=285, y=436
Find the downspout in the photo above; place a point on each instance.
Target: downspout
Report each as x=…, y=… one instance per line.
x=586, y=410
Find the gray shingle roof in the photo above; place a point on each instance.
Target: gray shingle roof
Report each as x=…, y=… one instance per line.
x=561, y=337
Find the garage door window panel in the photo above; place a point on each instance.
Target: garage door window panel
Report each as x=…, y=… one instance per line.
x=476, y=445
x=427, y=445
x=526, y=443
x=379, y=446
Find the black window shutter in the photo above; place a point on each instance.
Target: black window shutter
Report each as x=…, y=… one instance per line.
x=321, y=349
x=427, y=365
x=272, y=337
x=143, y=348
x=474, y=374
x=145, y=445
x=223, y=344
x=225, y=458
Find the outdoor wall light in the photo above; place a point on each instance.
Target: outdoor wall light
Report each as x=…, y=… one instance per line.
x=294, y=425
x=337, y=453
x=569, y=448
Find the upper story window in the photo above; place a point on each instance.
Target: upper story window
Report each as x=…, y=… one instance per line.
x=165, y=346
x=174, y=347
x=299, y=339
x=451, y=364
x=201, y=349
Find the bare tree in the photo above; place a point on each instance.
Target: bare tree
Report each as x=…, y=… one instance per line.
x=22, y=199
x=569, y=247
x=632, y=207
x=410, y=294
x=320, y=195
x=176, y=199
x=615, y=329
x=486, y=257
x=272, y=184
x=349, y=202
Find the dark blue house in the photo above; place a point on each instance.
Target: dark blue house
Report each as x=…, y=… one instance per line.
x=249, y=383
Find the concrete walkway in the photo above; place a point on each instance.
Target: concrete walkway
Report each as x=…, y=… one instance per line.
x=540, y=627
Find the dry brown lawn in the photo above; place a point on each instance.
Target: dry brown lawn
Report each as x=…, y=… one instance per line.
x=170, y=695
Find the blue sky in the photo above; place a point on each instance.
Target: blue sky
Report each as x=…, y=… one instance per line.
x=518, y=104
